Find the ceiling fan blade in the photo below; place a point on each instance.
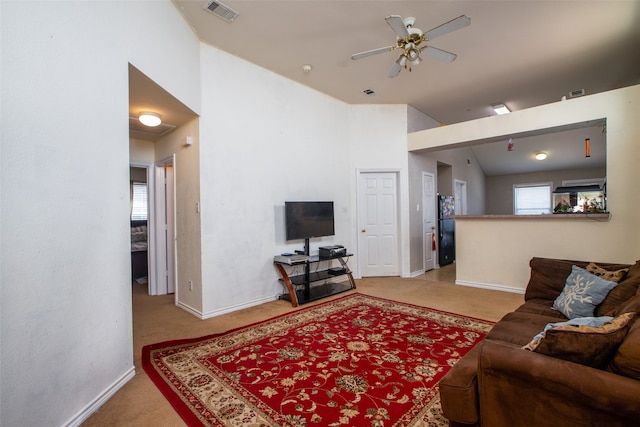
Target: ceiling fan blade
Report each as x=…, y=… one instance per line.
x=454, y=24
x=372, y=52
x=395, y=70
x=439, y=54
x=397, y=24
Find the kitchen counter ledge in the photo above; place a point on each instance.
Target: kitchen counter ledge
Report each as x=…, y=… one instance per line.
x=605, y=216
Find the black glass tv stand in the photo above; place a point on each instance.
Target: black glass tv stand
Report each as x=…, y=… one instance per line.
x=316, y=280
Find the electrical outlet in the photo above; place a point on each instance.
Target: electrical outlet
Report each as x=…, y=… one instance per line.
x=190, y=283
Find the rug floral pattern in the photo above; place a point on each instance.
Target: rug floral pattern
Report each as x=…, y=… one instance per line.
x=355, y=361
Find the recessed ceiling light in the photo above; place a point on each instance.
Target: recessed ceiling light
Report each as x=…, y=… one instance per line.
x=541, y=155
x=501, y=109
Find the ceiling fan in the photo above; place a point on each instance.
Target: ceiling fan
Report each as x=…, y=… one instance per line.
x=411, y=39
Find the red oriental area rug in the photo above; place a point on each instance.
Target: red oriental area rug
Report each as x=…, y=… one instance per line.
x=354, y=361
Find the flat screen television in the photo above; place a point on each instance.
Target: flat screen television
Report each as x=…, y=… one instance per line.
x=308, y=219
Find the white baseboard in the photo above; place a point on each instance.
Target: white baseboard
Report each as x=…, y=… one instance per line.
x=189, y=309
x=97, y=402
x=490, y=286
x=417, y=273
x=225, y=310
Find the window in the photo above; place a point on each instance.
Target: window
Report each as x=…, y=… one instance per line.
x=138, y=201
x=532, y=199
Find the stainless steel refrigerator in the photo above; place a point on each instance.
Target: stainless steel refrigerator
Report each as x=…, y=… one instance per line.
x=446, y=230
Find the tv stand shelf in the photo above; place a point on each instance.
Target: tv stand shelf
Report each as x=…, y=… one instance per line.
x=311, y=286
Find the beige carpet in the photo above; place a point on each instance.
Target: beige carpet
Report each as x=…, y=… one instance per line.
x=156, y=319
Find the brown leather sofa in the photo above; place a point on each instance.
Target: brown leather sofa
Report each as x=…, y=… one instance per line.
x=498, y=383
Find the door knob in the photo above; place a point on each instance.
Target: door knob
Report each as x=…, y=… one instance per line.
x=364, y=230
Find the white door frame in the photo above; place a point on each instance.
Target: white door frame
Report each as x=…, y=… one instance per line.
x=427, y=244
x=359, y=175
x=151, y=258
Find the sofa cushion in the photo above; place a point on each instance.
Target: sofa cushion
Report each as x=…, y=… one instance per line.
x=580, y=343
x=627, y=359
x=548, y=277
x=520, y=327
x=621, y=294
x=582, y=293
x=541, y=307
x=632, y=305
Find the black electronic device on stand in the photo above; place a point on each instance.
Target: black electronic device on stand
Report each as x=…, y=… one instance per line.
x=306, y=220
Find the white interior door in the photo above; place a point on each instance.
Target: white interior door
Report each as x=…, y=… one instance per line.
x=429, y=220
x=378, y=224
x=170, y=228
x=164, y=229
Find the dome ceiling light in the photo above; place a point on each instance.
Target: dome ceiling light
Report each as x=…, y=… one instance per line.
x=149, y=118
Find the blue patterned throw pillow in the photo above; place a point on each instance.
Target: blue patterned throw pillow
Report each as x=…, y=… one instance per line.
x=582, y=293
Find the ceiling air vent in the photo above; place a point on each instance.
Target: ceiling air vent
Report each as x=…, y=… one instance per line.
x=576, y=93
x=369, y=92
x=221, y=10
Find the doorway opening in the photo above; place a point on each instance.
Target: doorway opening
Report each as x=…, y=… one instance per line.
x=460, y=196
x=429, y=221
x=153, y=252
x=140, y=217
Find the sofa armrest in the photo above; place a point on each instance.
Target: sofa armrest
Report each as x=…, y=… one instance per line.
x=523, y=388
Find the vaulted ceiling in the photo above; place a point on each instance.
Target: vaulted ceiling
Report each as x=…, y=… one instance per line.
x=520, y=53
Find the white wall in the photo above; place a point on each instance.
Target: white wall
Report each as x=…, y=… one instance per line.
x=264, y=140
x=66, y=289
x=496, y=252
x=142, y=151
x=187, y=221
x=377, y=143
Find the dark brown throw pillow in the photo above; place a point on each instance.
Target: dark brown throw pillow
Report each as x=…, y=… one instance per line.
x=631, y=305
x=627, y=359
x=586, y=345
x=626, y=289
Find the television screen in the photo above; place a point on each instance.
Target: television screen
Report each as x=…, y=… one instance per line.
x=308, y=219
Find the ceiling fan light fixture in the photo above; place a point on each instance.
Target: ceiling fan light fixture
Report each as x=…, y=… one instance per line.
x=149, y=118
x=409, y=39
x=501, y=109
x=541, y=155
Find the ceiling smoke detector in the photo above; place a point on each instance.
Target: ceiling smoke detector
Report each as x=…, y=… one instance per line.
x=221, y=10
